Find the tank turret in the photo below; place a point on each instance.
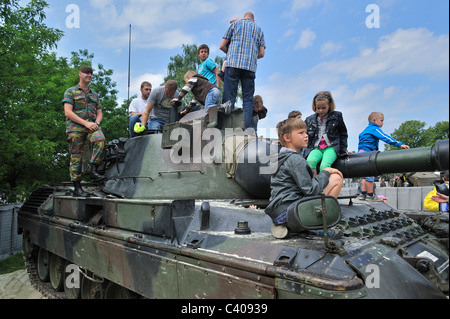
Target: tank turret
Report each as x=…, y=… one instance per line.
x=209, y=157
x=172, y=221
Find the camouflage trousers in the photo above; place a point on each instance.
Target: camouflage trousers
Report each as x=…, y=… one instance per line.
x=76, y=143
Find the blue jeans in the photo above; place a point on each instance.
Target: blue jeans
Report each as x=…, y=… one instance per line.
x=133, y=120
x=156, y=124
x=214, y=97
x=230, y=87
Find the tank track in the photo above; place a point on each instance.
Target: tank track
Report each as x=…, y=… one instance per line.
x=45, y=288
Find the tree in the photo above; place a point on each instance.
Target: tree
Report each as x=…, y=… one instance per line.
x=28, y=126
x=437, y=132
x=414, y=134
x=33, y=142
x=24, y=39
x=180, y=64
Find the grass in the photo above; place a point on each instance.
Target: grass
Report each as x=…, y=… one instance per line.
x=12, y=263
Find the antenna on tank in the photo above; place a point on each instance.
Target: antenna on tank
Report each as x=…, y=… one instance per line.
x=129, y=65
x=129, y=62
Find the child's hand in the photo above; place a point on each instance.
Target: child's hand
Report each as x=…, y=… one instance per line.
x=404, y=146
x=440, y=198
x=333, y=171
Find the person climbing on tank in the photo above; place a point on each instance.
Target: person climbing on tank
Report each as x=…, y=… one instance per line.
x=259, y=111
x=326, y=131
x=204, y=93
x=294, y=178
x=368, y=142
x=83, y=112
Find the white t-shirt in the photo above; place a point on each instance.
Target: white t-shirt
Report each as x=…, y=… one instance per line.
x=137, y=105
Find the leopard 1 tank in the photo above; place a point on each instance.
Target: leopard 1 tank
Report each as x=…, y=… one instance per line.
x=173, y=219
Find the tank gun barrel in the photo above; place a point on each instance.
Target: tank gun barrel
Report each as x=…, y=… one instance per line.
x=423, y=159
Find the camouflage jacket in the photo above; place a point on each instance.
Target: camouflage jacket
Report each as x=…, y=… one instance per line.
x=85, y=105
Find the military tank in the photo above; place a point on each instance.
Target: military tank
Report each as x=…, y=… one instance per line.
x=173, y=219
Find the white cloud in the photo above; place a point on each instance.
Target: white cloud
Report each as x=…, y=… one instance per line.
x=412, y=51
x=399, y=54
x=169, y=40
x=288, y=33
x=237, y=8
x=152, y=22
x=329, y=48
x=298, y=5
x=306, y=39
x=154, y=79
x=303, y=4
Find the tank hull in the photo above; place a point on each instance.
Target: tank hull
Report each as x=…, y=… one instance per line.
x=172, y=220
x=203, y=257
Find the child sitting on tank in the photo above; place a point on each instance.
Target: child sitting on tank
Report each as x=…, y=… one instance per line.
x=293, y=178
x=326, y=131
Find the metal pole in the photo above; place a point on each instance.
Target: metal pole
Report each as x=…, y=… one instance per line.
x=129, y=62
x=129, y=66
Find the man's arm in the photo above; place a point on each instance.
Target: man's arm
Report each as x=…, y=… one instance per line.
x=224, y=45
x=216, y=72
x=99, y=117
x=261, y=52
x=146, y=114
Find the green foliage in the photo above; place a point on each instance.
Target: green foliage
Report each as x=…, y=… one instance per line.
x=180, y=64
x=33, y=142
x=12, y=263
x=414, y=134
x=29, y=76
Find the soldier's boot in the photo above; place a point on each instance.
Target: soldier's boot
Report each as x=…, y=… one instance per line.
x=95, y=176
x=79, y=192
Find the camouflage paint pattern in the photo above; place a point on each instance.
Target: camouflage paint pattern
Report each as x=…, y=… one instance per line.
x=184, y=262
x=77, y=141
x=85, y=105
x=165, y=230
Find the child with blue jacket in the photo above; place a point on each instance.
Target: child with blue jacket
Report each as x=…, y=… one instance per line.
x=368, y=142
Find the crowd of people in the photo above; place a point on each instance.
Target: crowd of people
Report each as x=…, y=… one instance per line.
x=309, y=147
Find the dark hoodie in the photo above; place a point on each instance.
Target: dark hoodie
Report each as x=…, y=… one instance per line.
x=292, y=181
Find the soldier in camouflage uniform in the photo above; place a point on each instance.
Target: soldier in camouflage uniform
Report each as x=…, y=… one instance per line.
x=83, y=113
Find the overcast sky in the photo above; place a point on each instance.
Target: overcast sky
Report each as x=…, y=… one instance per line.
x=390, y=56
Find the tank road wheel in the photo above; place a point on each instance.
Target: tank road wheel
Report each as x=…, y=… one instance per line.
x=42, y=264
x=56, y=272
x=91, y=289
x=72, y=280
x=115, y=291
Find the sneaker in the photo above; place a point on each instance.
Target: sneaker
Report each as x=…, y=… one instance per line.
x=226, y=107
x=373, y=198
x=362, y=197
x=279, y=231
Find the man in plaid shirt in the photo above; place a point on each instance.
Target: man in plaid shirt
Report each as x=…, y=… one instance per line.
x=244, y=44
